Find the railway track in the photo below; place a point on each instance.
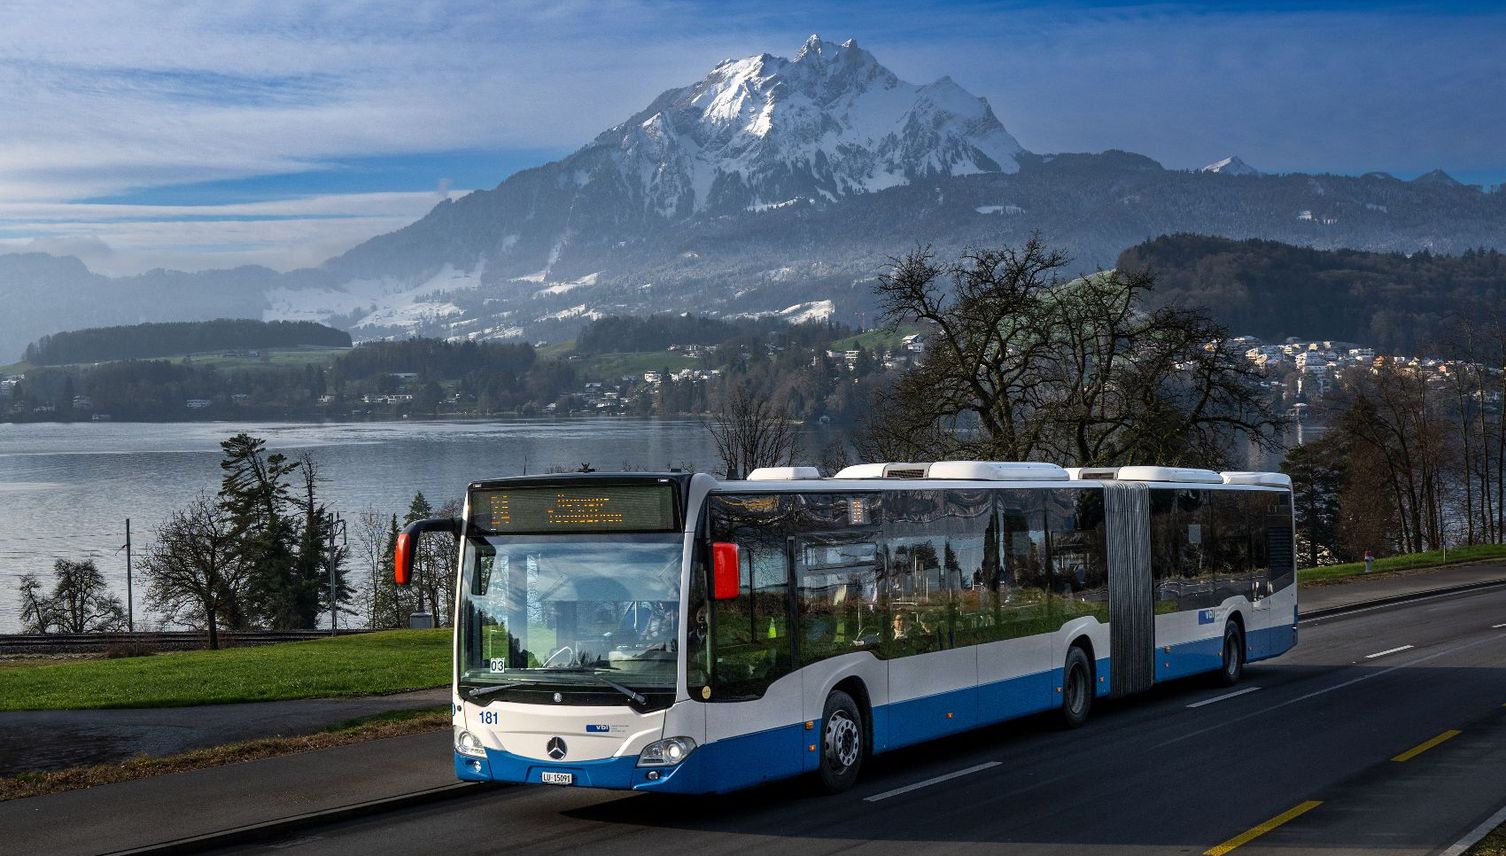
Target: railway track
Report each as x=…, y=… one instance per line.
x=166, y=640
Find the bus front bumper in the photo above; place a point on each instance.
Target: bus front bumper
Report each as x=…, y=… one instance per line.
x=614, y=773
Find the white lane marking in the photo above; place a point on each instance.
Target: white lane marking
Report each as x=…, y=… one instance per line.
x=928, y=782
x=1497, y=626
x=1388, y=651
x=1223, y=697
x=1474, y=835
x=1315, y=693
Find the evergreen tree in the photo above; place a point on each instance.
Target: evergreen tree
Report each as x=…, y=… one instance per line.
x=1317, y=471
x=391, y=605
x=255, y=493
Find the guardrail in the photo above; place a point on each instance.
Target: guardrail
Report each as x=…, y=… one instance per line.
x=166, y=640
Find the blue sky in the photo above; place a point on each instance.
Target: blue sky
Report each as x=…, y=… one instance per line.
x=193, y=136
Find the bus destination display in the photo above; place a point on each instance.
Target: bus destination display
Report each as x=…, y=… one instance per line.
x=608, y=508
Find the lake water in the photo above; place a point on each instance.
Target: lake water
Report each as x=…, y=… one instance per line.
x=67, y=489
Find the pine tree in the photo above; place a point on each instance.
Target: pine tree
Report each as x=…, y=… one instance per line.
x=255, y=492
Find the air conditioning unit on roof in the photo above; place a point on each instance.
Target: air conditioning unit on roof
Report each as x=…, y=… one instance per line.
x=1260, y=478
x=1170, y=474
x=958, y=471
x=784, y=473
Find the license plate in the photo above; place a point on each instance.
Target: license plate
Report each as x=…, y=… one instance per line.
x=553, y=778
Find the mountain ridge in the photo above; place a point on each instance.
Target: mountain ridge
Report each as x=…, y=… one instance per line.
x=769, y=185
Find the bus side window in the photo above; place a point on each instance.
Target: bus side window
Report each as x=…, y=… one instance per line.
x=751, y=644
x=1024, y=594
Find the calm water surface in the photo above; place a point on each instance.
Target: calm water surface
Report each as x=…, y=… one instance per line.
x=67, y=489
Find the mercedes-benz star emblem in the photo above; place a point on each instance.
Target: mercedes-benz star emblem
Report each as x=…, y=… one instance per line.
x=558, y=698
x=556, y=748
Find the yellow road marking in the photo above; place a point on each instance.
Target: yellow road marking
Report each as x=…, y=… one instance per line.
x=1255, y=832
x=1426, y=745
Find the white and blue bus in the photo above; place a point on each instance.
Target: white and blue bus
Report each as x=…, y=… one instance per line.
x=680, y=633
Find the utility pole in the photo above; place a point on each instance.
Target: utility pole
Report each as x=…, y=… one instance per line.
x=336, y=523
x=130, y=606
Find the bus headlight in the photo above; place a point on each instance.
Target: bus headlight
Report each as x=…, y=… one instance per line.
x=467, y=743
x=667, y=752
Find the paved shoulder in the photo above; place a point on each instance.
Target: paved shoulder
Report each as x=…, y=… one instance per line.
x=40, y=740
x=1395, y=584
x=181, y=805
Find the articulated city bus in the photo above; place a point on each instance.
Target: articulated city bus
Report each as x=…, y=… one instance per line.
x=680, y=633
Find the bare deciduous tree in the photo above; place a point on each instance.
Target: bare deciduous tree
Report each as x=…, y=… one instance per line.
x=36, y=608
x=80, y=601
x=371, y=534
x=1024, y=364
x=750, y=431
x=195, y=567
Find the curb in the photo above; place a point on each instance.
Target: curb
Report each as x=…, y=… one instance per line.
x=1393, y=600
x=281, y=827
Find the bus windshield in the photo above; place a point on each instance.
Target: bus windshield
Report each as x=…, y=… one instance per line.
x=570, y=619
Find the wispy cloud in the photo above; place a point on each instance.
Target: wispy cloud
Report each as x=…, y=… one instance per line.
x=108, y=99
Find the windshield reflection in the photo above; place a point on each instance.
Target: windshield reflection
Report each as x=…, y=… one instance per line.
x=571, y=613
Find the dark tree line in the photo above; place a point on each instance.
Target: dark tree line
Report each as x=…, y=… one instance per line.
x=1395, y=302
x=141, y=341
x=615, y=335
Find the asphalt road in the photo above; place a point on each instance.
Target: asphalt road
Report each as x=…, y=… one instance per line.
x=1349, y=740
x=36, y=740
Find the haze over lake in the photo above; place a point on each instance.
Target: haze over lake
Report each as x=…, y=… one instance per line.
x=67, y=489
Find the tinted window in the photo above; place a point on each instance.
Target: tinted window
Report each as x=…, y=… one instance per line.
x=1078, y=551
x=1024, y=585
x=915, y=546
x=752, y=644
x=836, y=569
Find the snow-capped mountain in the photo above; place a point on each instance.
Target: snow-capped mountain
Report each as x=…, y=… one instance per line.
x=765, y=131
x=770, y=187
x=1231, y=165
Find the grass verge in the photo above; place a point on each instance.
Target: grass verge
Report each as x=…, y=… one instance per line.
x=364, y=664
x=391, y=724
x=1406, y=562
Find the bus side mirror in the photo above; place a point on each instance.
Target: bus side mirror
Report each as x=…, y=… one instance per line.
x=724, y=571
x=407, y=544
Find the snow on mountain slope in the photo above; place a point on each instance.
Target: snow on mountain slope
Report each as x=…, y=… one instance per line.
x=764, y=130
x=373, y=302
x=1231, y=165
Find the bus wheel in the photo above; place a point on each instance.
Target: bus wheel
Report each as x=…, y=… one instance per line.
x=1234, y=655
x=1077, y=688
x=841, y=742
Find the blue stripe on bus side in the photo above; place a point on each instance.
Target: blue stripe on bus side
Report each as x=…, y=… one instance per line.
x=739, y=762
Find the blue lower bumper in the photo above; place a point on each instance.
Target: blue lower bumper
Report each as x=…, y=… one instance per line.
x=615, y=773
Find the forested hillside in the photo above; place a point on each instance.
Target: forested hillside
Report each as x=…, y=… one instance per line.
x=1391, y=301
x=141, y=341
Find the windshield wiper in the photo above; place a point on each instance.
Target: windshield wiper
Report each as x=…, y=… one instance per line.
x=477, y=692
x=632, y=694
x=589, y=670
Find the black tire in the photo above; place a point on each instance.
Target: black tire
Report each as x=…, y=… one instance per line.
x=1077, y=688
x=1233, y=656
x=843, y=742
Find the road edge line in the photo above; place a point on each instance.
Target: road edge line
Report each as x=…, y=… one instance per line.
x=1473, y=837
